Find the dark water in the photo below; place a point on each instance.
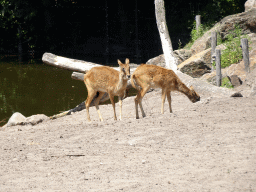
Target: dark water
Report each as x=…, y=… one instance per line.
x=36, y=88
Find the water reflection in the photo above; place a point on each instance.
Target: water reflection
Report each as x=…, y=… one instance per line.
x=37, y=89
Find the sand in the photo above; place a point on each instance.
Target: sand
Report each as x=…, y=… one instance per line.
x=205, y=146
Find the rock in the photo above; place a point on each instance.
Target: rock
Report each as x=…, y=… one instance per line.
x=248, y=88
x=197, y=65
x=16, y=119
x=35, y=119
x=19, y=119
x=246, y=21
x=238, y=68
x=235, y=80
x=235, y=69
x=237, y=94
x=253, y=90
x=181, y=55
x=206, y=89
x=249, y=4
x=159, y=61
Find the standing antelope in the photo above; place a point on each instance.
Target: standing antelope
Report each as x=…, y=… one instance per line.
x=106, y=79
x=151, y=76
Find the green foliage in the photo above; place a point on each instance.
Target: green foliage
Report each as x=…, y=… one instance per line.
x=214, y=10
x=233, y=53
x=226, y=83
x=196, y=34
x=51, y=25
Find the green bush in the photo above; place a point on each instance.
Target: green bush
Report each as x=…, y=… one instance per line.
x=196, y=34
x=233, y=52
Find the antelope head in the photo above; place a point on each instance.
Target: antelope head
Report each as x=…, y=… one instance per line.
x=194, y=96
x=125, y=69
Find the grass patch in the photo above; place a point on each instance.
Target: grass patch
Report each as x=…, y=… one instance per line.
x=226, y=83
x=196, y=34
x=233, y=52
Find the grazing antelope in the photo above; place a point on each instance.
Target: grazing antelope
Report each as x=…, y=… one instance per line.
x=106, y=79
x=151, y=76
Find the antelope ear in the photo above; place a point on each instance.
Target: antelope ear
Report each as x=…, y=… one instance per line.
x=127, y=61
x=119, y=62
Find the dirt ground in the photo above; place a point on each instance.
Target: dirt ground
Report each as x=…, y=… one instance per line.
x=206, y=146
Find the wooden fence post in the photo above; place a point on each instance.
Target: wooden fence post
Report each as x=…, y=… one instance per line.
x=213, y=45
x=244, y=43
x=198, y=21
x=218, y=67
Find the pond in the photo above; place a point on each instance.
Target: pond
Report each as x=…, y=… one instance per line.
x=36, y=88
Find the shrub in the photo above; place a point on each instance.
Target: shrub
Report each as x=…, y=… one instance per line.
x=233, y=52
x=196, y=34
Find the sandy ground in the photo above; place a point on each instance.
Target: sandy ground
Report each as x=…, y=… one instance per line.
x=206, y=146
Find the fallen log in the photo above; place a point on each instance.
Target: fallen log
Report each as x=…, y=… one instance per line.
x=77, y=76
x=201, y=87
x=74, y=64
x=67, y=63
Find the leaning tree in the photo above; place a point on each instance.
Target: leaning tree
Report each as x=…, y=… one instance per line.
x=170, y=60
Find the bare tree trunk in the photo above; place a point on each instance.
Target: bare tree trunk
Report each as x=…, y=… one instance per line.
x=171, y=61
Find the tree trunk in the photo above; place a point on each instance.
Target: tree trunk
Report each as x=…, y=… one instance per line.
x=69, y=64
x=171, y=61
x=74, y=64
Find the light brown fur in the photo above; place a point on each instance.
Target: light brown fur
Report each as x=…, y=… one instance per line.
x=151, y=76
x=106, y=79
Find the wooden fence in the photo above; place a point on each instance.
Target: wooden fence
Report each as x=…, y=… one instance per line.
x=216, y=53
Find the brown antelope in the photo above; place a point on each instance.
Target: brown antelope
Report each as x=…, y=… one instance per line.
x=106, y=79
x=151, y=76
